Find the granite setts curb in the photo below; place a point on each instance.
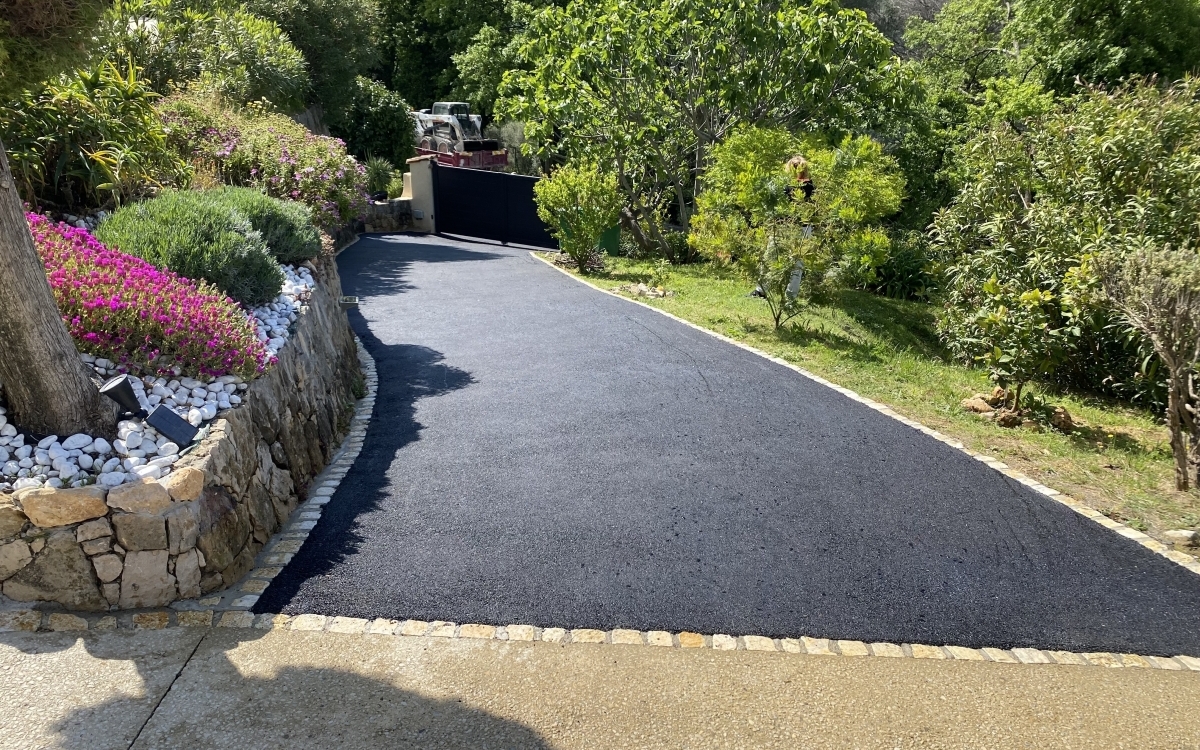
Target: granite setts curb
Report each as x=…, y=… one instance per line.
x=34, y=621
x=1175, y=556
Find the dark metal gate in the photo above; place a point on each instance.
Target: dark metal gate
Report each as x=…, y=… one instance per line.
x=489, y=205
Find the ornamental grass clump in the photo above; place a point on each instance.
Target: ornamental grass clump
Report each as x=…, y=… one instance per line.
x=126, y=310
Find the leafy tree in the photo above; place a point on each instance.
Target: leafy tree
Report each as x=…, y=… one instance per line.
x=419, y=39
x=338, y=38
x=1157, y=291
x=647, y=87
x=579, y=204
x=1049, y=205
x=756, y=212
x=1105, y=41
x=223, y=49
x=494, y=50
x=39, y=38
x=376, y=122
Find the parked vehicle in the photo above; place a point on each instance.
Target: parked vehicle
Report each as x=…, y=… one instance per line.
x=451, y=133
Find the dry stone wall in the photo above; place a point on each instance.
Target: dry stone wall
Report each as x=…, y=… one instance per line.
x=197, y=530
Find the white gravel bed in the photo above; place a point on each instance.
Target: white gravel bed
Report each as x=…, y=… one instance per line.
x=140, y=451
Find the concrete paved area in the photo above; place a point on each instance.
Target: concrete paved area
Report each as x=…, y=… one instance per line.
x=542, y=453
x=287, y=689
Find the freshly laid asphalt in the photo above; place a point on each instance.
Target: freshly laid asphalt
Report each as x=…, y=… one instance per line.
x=545, y=454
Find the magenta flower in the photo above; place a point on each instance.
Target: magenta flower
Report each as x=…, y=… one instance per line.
x=124, y=309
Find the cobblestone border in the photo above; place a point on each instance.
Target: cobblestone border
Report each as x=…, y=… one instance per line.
x=62, y=622
x=1175, y=556
x=230, y=609
x=287, y=542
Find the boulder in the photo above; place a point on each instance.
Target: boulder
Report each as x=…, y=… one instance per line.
x=1009, y=418
x=145, y=581
x=140, y=531
x=49, y=508
x=1061, y=420
x=977, y=404
x=185, y=485
x=61, y=573
x=13, y=557
x=1183, y=537
x=12, y=520
x=145, y=496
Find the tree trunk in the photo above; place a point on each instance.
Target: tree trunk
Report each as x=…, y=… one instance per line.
x=1176, y=399
x=48, y=388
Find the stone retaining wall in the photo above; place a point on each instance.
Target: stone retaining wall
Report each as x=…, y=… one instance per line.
x=394, y=215
x=199, y=529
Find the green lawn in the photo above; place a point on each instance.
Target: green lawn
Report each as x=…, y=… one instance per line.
x=1118, y=461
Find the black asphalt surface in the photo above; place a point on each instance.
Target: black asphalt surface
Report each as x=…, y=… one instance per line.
x=542, y=453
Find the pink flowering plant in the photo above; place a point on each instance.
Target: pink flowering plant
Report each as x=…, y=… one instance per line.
x=255, y=147
x=124, y=309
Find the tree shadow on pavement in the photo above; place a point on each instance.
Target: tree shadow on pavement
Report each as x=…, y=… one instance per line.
x=407, y=374
x=140, y=695
x=378, y=265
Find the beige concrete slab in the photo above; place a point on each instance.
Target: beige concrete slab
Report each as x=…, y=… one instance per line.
x=257, y=689
x=85, y=692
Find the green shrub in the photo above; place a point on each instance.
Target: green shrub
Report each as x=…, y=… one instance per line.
x=89, y=139
x=395, y=188
x=286, y=226
x=754, y=212
x=253, y=146
x=579, y=204
x=225, y=50
x=376, y=123
x=379, y=174
x=197, y=237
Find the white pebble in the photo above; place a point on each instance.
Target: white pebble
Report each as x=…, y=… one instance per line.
x=47, y=441
x=133, y=440
x=112, y=479
x=208, y=411
x=168, y=449
x=119, y=447
x=100, y=445
x=148, y=472
x=21, y=484
x=195, y=418
x=3, y=455
x=85, y=462
x=54, y=482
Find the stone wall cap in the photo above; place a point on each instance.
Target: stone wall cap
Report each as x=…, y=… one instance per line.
x=146, y=496
x=47, y=507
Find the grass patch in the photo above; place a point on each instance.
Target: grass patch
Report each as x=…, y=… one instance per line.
x=1118, y=461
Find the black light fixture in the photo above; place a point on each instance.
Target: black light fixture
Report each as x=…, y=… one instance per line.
x=120, y=389
x=174, y=427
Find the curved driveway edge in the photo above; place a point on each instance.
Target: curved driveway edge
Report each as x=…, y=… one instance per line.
x=542, y=454
x=1182, y=558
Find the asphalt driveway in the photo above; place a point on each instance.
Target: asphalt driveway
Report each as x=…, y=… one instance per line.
x=542, y=453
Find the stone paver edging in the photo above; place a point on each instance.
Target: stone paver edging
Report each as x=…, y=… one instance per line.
x=1175, y=556
x=231, y=609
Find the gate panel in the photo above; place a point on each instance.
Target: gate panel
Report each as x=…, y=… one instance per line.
x=489, y=205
